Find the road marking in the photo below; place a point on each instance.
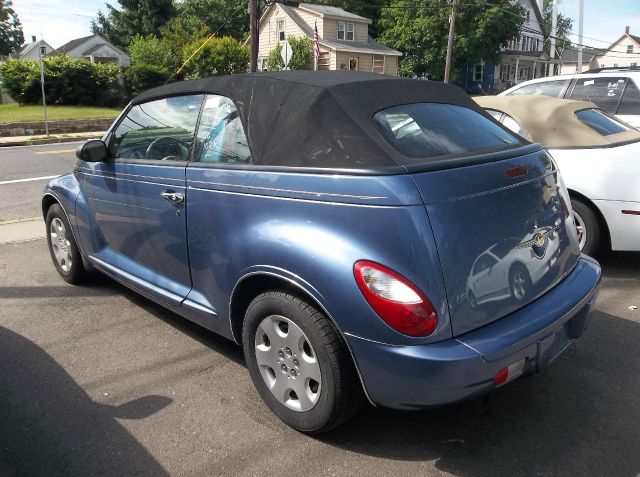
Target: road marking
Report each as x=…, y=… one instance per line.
x=15, y=181
x=58, y=151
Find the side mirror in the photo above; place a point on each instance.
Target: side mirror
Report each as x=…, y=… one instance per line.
x=92, y=151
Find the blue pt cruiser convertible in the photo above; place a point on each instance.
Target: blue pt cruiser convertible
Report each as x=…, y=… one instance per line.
x=361, y=236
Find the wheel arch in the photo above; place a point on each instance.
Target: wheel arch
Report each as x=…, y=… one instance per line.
x=48, y=199
x=573, y=194
x=252, y=284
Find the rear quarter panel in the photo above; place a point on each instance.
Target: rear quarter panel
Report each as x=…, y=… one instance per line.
x=311, y=229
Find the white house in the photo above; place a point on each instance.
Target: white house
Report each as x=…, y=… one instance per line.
x=344, y=39
x=625, y=51
x=95, y=49
x=523, y=58
x=31, y=51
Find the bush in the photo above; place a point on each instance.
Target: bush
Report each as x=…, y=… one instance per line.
x=150, y=50
x=301, y=55
x=220, y=56
x=141, y=77
x=67, y=80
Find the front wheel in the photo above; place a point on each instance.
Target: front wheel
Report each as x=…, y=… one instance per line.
x=587, y=227
x=62, y=246
x=299, y=363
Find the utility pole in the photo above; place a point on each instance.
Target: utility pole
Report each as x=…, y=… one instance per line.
x=554, y=33
x=253, y=19
x=580, y=25
x=452, y=30
x=44, y=101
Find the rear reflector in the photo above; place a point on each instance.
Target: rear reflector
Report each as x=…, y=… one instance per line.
x=396, y=300
x=631, y=212
x=510, y=372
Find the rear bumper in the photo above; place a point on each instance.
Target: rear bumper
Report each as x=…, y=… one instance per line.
x=409, y=377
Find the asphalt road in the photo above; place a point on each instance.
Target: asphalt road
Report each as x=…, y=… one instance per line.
x=19, y=200
x=96, y=380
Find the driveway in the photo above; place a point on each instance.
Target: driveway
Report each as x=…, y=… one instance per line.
x=98, y=380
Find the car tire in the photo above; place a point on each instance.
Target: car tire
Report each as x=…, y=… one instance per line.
x=588, y=228
x=519, y=282
x=299, y=363
x=62, y=246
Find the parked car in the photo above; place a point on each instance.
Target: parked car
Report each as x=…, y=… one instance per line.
x=327, y=222
x=615, y=91
x=598, y=156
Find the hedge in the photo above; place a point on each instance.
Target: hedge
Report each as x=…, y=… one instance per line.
x=71, y=81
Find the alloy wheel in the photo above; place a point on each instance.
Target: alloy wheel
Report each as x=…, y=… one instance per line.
x=60, y=244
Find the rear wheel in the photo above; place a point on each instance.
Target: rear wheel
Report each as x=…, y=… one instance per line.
x=587, y=226
x=299, y=363
x=62, y=246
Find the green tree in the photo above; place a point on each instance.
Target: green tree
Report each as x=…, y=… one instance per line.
x=222, y=17
x=11, y=37
x=301, y=55
x=134, y=17
x=151, y=50
x=420, y=29
x=274, y=60
x=178, y=33
x=563, y=26
x=220, y=56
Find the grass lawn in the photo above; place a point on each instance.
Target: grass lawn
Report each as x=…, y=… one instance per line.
x=10, y=113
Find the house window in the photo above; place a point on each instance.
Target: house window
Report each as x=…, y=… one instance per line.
x=629, y=48
x=353, y=64
x=477, y=72
x=280, y=30
x=615, y=65
x=346, y=31
x=633, y=65
x=350, y=32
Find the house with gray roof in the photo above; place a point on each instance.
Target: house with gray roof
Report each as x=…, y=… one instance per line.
x=95, y=49
x=569, y=59
x=31, y=51
x=344, y=39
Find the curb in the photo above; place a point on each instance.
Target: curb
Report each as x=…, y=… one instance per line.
x=25, y=230
x=35, y=140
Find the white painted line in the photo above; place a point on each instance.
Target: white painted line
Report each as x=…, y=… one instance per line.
x=27, y=180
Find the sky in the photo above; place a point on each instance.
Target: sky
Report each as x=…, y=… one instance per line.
x=59, y=21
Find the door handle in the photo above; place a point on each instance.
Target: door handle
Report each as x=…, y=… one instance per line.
x=172, y=197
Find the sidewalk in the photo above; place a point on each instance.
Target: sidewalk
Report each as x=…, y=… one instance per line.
x=52, y=138
x=21, y=230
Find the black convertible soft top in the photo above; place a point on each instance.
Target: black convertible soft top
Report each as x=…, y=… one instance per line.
x=317, y=119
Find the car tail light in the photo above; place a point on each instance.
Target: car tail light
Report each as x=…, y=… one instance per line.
x=399, y=303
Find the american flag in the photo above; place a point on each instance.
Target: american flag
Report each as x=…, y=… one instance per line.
x=316, y=41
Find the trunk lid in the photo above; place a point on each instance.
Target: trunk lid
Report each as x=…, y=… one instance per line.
x=504, y=233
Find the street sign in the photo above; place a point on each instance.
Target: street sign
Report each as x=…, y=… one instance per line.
x=286, y=53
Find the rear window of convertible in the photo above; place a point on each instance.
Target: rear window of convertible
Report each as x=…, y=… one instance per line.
x=425, y=130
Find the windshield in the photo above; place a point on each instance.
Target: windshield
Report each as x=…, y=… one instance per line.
x=425, y=130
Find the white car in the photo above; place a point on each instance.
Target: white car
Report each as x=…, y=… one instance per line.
x=615, y=91
x=598, y=155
